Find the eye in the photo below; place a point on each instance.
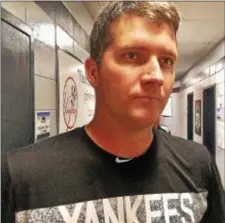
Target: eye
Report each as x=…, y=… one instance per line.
x=167, y=61
x=131, y=55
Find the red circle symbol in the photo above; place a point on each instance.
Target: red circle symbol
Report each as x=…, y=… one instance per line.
x=70, y=103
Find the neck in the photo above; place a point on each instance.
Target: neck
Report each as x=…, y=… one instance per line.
x=118, y=138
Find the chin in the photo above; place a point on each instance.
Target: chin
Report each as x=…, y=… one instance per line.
x=146, y=118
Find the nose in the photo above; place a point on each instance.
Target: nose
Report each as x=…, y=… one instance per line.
x=152, y=73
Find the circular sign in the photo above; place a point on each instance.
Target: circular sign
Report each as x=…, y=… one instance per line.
x=70, y=103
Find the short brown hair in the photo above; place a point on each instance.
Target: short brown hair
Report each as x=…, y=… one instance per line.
x=155, y=11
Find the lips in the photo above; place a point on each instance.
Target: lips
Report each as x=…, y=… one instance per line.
x=151, y=98
x=148, y=98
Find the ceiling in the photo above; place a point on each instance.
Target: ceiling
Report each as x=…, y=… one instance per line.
x=202, y=28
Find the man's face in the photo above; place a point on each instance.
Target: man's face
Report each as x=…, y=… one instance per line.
x=136, y=75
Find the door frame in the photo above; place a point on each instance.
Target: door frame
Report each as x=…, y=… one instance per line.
x=191, y=93
x=16, y=23
x=205, y=88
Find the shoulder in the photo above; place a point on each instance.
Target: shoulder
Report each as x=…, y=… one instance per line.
x=50, y=144
x=188, y=150
x=190, y=159
x=40, y=155
x=34, y=169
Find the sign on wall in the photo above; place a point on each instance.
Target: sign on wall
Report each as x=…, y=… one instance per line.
x=198, y=117
x=220, y=134
x=219, y=107
x=42, y=125
x=77, y=98
x=167, y=112
x=70, y=102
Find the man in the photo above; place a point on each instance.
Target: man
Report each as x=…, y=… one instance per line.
x=115, y=169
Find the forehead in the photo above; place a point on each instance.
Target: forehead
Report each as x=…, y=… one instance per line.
x=132, y=29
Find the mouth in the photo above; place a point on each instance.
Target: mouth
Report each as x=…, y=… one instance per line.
x=148, y=98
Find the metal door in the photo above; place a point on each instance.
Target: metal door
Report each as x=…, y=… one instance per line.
x=190, y=117
x=17, y=116
x=209, y=116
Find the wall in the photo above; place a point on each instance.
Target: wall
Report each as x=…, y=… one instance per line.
x=216, y=54
x=197, y=88
x=59, y=13
x=80, y=13
x=53, y=26
x=44, y=56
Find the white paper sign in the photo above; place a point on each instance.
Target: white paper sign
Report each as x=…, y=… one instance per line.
x=77, y=98
x=42, y=125
x=168, y=109
x=220, y=134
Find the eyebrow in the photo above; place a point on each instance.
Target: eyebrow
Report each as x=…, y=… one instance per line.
x=139, y=46
x=169, y=52
x=133, y=46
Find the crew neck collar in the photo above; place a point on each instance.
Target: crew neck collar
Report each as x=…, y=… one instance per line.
x=114, y=158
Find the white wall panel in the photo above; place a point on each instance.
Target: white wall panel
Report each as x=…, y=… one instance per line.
x=44, y=61
x=16, y=8
x=45, y=93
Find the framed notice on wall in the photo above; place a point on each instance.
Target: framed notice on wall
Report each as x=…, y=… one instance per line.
x=198, y=117
x=42, y=125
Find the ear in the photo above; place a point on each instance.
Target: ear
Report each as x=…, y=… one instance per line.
x=91, y=70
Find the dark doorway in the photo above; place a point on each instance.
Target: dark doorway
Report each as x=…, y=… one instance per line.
x=190, y=116
x=16, y=88
x=209, y=117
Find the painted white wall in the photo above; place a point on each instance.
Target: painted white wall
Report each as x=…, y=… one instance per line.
x=169, y=121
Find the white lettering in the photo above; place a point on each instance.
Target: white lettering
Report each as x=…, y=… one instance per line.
x=109, y=213
x=132, y=211
x=149, y=213
x=66, y=216
x=91, y=215
x=155, y=207
x=169, y=212
x=187, y=210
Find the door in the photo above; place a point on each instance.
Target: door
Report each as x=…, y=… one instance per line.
x=190, y=116
x=209, y=117
x=16, y=88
